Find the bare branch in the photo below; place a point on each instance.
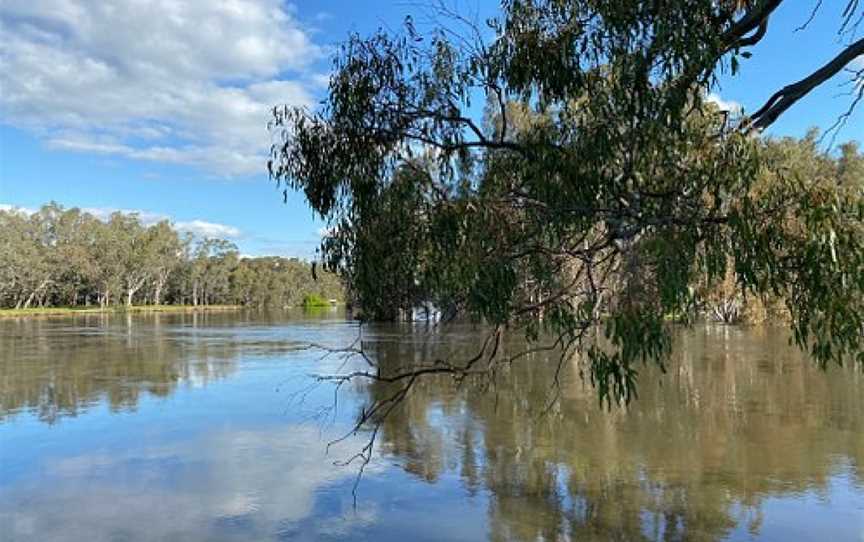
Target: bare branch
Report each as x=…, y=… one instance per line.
x=811, y=17
x=848, y=13
x=841, y=120
x=790, y=94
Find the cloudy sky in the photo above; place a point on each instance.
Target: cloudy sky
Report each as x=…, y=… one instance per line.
x=161, y=106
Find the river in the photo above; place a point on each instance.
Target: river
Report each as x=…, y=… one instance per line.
x=212, y=427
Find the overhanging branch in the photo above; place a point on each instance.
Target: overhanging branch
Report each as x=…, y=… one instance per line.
x=755, y=19
x=790, y=94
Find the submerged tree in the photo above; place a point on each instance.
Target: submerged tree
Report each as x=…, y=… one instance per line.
x=599, y=186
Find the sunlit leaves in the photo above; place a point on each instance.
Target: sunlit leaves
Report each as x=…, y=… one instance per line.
x=596, y=192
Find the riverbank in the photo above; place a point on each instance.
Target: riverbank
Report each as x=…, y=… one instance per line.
x=69, y=311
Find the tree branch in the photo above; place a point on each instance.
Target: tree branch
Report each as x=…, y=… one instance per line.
x=790, y=94
x=755, y=19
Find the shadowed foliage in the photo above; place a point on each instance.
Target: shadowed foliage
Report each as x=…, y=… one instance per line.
x=598, y=191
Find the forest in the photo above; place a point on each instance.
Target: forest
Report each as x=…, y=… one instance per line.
x=820, y=176
x=58, y=257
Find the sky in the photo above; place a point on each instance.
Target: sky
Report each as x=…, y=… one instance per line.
x=161, y=106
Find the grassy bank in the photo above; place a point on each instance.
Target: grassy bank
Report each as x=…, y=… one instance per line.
x=67, y=311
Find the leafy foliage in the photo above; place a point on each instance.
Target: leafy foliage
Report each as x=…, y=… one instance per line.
x=597, y=191
x=67, y=257
x=798, y=167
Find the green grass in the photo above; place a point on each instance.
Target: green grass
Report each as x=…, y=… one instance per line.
x=315, y=300
x=66, y=311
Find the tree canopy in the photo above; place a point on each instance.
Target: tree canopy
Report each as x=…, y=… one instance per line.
x=67, y=257
x=598, y=190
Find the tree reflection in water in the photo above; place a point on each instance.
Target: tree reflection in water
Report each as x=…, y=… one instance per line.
x=740, y=417
x=740, y=421
x=61, y=367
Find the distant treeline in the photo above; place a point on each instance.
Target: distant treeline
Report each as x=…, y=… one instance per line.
x=67, y=257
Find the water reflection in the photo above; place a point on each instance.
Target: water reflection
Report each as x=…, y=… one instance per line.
x=740, y=419
x=222, y=486
x=186, y=427
x=58, y=366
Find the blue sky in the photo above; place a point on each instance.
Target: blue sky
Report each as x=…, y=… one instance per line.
x=160, y=106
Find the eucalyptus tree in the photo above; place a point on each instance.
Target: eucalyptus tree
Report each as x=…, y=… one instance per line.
x=74, y=242
x=211, y=265
x=262, y=282
x=600, y=186
x=166, y=252
x=36, y=261
x=45, y=255
x=59, y=256
x=851, y=166
x=217, y=278
x=8, y=271
x=110, y=253
x=22, y=262
x=786, y=159
x=134, y=248
x=246, y=281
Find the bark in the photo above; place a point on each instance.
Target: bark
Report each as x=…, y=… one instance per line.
x=34, y=293
x=161, y=281
x=132, y=288
x=755, y=19
x=157, y=292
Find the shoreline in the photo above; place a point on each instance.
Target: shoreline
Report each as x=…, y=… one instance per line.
x=72, y=311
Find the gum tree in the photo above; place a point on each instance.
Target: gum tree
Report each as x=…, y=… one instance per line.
x=598, y=187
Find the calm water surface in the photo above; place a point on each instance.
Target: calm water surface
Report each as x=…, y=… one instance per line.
x=208, y=427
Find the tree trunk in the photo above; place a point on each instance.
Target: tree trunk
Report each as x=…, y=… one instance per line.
x=161, y=281
x=34, y=293
x=133, y=288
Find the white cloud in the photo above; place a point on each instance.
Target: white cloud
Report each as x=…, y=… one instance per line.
x=208, y=229
x=725, y=105
x=199, y=228
x=213, y=483
x=101, y=213
x=7, y=208
x=104, y=213
x=162, y=80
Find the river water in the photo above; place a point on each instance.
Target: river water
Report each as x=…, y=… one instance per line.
x=211, y=427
